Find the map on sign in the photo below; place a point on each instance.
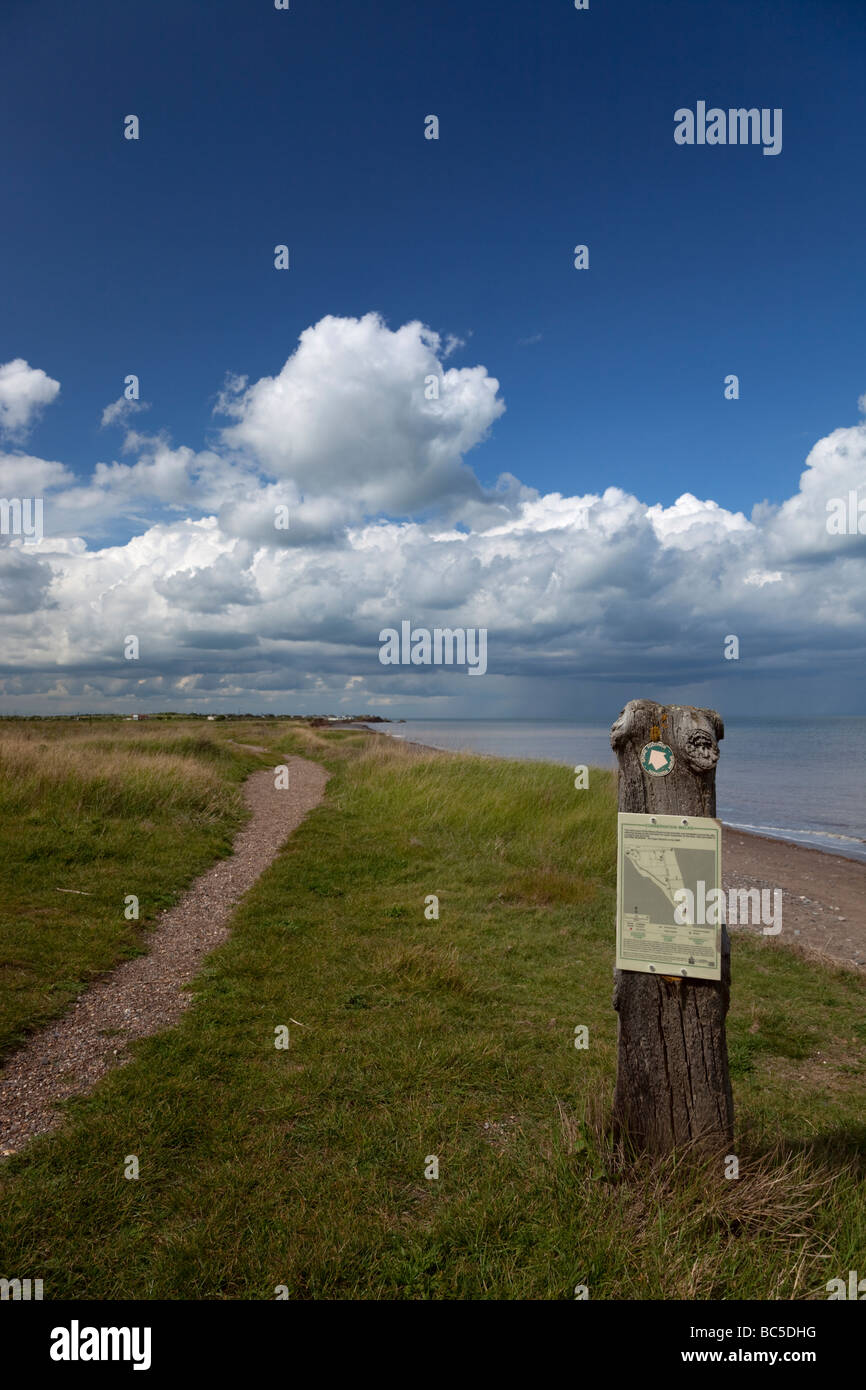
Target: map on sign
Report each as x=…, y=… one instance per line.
x=659, y=866
x=659, y=930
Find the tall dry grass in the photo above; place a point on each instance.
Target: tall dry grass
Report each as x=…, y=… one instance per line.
x=111, y=777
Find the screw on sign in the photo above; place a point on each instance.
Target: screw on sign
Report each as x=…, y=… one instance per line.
x=672, y=1085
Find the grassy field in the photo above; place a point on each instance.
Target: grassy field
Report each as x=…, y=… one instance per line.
x=413, y=1038
x=88, y=816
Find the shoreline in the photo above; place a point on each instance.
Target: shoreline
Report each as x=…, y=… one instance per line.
x=824, y=893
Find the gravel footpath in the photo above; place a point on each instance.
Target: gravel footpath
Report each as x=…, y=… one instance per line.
x=145, y=995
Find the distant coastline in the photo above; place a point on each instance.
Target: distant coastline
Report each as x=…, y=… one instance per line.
x=103, y=715
x=763, y=789
x=824, y=889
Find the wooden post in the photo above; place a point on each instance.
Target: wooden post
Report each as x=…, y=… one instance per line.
x=672, y=1083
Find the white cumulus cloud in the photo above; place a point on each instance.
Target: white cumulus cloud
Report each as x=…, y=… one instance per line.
x=388, y=522
x=353, y=415
x=117, y=412
x=24, y=390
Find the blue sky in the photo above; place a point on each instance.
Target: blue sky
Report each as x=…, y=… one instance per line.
x=305, y=127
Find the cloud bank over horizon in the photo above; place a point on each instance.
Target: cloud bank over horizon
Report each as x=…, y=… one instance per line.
x=364, y=435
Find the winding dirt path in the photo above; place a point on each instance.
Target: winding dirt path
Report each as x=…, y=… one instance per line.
x=145, y=995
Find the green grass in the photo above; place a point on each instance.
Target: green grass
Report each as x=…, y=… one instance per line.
x=413, y=1037
x=87, y=819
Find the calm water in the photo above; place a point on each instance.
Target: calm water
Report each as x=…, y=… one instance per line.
x=796, y=779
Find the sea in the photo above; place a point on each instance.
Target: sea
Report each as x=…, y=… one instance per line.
x=798, y=779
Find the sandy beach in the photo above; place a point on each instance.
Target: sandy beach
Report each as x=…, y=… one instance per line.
x=824, y=903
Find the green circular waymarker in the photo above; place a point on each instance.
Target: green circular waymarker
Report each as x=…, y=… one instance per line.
x=657, y=759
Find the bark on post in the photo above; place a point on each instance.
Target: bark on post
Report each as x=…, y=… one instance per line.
x=672, y=1083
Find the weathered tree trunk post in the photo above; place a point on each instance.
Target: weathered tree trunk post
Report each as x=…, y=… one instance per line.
x=672, y=1083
